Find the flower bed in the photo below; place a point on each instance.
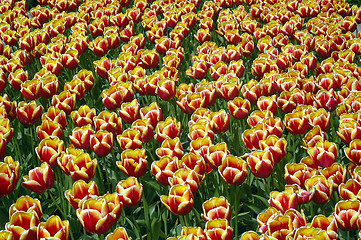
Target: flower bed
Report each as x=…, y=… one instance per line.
x=187, y=119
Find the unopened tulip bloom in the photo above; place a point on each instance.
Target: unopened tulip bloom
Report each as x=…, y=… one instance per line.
x=28, y=113
x=130, y=192
x=54, y=227
x=233, y=170
x=39, y=179
x=218, y=229
x=133, y=162
x=81, y=190
x=180, y=200
x=96, y=216
x=216, y=208
x=9, y=175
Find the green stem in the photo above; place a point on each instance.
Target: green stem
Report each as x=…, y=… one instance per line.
x=106, y=174
x=56, y=204
x=101, y=237
x=236, y=203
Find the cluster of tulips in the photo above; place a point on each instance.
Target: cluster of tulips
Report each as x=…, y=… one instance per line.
x=220, y=96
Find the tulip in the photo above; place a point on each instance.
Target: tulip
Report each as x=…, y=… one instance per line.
x=251, y=91
x=276, y=146
x=134, y=162
x=258, y=117
x=216, y=154
x=324, y=153
x=165, y=168
x=49, y=150
x=171, y=148
x=99, y=46
x=23, y=225
x=48, y=129
x=320, y=187
x=87, y=78
x=65, y=101
x=54, y=227
x=27, y=204
x=81, y=190
x=185, y=177
x=119, y=233
x=216, y=208
x=233, y=170
x=195, y=232
x=145, y=129
x=28, y=113
x=130, y=192
x=218, y=229
x=336, y=172
x=167, y=129
x=239, y=108
x=198, y=70
x=81, y=167
x=130, y=139
x=10, y=107
x=130, y=112
x=346, y=214
x=180, y=200
x=96, y=215
x=152, y=112
x=102, y=66
x=83, y=116
x=313, y=136
x=296, y=122
x=102, y=142
x=112, y=98
x=9, y=173
x=352, y=152
x=80, y=136
x=261, y=163
x=326, y=223
x=108, y=121
x=166, y=89
x=39, y=179
x=298, y=173
x=283, y=201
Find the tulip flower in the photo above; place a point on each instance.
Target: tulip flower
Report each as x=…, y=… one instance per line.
x=23, y=225
x=108, y=121
x=10, y=173
x=218, y=229
x=170, y=128
x=233, y=170
x=185, y=177
x=96, y=216
x=133, y=162
x=129, y=112
x=130, y=192
x=81, y=190
x=54, y=227
x=261, y=163
x=39, y=179
x=326, y=223
x=324, y=153
x=165, y=168
x=102, y=142
x=119, y=233
x=145, y=128
x=320, y=187
x=216, y=208
x=298, y=173
x=346, y=214
x=28, y=113
x=180, y=200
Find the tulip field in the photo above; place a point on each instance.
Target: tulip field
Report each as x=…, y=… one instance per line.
x=180, y=119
